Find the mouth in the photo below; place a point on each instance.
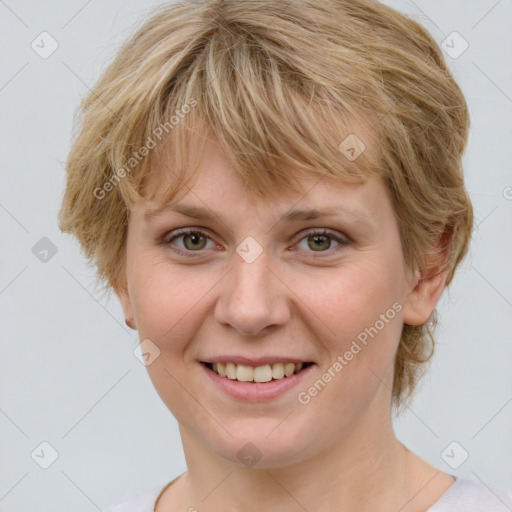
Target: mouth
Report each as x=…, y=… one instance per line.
x=256, y=374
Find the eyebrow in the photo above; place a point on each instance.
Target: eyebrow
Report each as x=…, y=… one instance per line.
x=200, y=213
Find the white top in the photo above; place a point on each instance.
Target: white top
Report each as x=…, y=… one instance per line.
x=464, y=495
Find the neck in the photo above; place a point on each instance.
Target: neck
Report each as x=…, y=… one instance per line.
x=367, y=465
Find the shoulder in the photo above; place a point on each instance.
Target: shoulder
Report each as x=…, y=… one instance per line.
x=143, y=502
x=467, y=495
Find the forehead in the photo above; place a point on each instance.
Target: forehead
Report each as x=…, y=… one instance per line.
x=218, y=192
x=274, y=168
x=202, y=163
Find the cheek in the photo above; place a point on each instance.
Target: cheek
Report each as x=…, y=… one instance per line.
x=357, y=319
x=168, y=305
x=167, y=301
x=353, y=299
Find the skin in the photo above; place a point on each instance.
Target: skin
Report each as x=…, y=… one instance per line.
x=294, y=301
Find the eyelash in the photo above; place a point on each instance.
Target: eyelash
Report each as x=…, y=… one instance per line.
x=167, y=242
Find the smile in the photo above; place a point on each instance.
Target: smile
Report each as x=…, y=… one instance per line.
x=264, y=373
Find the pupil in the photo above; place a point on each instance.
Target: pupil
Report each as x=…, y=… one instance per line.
x=318, y=239
x=195, y=239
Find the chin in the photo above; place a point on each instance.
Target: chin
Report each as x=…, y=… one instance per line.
x=261, y=445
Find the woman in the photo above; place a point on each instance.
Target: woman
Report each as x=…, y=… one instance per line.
x=274, y=192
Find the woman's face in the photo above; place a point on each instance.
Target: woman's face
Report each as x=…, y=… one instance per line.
x=317, y=278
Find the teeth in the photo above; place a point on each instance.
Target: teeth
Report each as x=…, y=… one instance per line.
x=244, y=373
x=289, y=368
x=277, y=371
x=231, y=371
x=265, y=373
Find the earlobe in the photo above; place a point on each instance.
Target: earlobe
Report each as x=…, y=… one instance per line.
x=130, y=322
x=424, y=296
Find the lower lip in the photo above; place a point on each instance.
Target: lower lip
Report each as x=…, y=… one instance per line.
x=257, y=391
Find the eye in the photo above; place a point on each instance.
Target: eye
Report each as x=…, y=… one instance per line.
x=192, y=240
x=321, y=241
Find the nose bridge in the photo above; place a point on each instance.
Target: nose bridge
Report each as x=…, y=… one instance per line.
x=251, y=279
x=252, y=300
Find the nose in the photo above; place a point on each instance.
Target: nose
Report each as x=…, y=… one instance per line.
x=253, y=300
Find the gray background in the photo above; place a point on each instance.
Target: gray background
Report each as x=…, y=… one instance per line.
x=69, y=376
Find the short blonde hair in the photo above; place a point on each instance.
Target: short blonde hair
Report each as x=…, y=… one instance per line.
x=282, y=85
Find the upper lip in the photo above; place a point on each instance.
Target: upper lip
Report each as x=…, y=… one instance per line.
x=255, y=361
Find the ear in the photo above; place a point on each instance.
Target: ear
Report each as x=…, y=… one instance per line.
x=124, y=299
x=427, y=288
